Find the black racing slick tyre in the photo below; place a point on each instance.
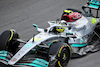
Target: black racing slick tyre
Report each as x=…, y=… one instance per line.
x=8, y=42
x=63, y=53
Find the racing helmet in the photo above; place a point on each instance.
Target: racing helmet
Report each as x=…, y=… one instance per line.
x=60, y=29
x=71, y=17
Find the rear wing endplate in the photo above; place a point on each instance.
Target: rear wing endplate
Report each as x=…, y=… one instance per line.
x=92, y=4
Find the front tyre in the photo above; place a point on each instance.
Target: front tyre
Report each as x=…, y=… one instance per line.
x=62, y=52
x=63, y=56
x=8, y=41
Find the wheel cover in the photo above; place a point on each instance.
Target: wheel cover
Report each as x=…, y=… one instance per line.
x=63, y=57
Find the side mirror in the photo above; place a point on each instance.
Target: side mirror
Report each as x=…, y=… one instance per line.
x=36, y=26
x=38, y=29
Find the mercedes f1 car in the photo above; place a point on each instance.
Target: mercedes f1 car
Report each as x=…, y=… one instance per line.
x=74, y=35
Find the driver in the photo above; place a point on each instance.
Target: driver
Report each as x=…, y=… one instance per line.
x=60, y=29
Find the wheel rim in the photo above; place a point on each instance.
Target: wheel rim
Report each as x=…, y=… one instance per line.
x=63, y=59
x=64, y=56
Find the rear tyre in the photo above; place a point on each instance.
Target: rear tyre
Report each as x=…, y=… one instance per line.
x=63, y=53
x=8, y=41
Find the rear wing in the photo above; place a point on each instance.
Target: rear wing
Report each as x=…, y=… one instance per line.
x=92, y=4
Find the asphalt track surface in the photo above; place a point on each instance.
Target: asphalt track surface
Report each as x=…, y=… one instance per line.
x=21, y=14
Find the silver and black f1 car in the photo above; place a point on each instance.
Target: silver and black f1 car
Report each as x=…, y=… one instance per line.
x=42, y=50
x=74, y=35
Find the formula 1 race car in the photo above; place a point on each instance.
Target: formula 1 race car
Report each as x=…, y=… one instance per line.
x=42, y=50
x=74, y=35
